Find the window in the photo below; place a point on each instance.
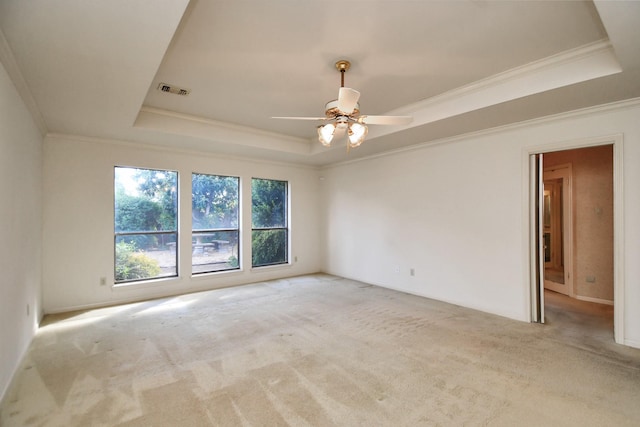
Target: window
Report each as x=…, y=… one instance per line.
x=146, y=224
x=215, y=232
x=269, y=234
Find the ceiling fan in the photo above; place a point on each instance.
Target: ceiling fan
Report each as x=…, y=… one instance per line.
x=343, y=114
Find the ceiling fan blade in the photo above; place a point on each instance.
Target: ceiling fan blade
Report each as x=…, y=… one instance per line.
x=385, y=120
x=300, y=118
x=347, y=99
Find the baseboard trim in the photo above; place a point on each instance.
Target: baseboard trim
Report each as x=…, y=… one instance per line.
x=632, y=343
x=596, y=300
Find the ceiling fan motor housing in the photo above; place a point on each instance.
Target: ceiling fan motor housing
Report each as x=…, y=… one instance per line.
x=332, y=110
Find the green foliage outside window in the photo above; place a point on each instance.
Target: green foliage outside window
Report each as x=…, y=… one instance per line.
x=161, y=187
x=146, y=213
x=138, y=213
x=132, y=265
x=269, y=247
x=214, y=202
x=268, y=203
x=269, y=219
x=145, y=223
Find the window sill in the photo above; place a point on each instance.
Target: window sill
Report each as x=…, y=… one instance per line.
x=145, y=283
x=272, y=267
x=211, y=274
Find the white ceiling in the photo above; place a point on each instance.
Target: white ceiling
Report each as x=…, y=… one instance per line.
x=93, y=68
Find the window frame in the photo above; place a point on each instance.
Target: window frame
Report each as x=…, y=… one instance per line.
x=174, y=232
x=219, y=230
x=285, y=227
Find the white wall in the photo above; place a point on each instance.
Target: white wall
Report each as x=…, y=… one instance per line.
x=456, y=213
x=78, y=220
x=20, y=228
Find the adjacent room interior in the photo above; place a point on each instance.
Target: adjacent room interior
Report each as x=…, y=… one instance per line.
x=363, y=181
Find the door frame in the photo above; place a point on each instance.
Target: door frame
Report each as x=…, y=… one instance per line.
x=565, y=171
x=529, y=244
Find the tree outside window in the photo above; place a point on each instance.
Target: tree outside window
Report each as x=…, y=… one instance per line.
x=269, y=236
x=146, y=224
x=215, y=233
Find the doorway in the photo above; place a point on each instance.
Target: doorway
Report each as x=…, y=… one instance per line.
x=595, y=275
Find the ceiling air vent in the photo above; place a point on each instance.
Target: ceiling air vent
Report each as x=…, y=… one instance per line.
x=164, y=87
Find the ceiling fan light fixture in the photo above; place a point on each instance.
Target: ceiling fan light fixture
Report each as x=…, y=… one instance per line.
x=357, y=134
x=325, y=133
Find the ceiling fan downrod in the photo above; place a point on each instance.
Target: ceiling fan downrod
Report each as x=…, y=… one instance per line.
x=343, y=65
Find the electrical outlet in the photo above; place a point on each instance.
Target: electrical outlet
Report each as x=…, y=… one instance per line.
x=28, y=310
x=295, y=259
x=412, y=272
x=103, y=281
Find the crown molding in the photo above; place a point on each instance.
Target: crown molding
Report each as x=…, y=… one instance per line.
x=15, y=75
x=577, y=65
x=603, y=108
x=56, y=137
x=615, y=106
x=201, y=127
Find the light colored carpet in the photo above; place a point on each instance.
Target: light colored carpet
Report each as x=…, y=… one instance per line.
x=318, y=350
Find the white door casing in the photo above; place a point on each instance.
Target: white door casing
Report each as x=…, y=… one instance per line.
x=529, y=199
